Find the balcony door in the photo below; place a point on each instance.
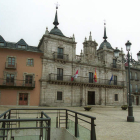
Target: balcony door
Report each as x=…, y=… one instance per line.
x=115, y=80
x=11, y=62
x=10, y=79
x=90, y=77
x=59, y=74
x=23, y=98
x=29, y=80
x=114, y=63
x=60, y=53
x=137, y=100
x=91, y=97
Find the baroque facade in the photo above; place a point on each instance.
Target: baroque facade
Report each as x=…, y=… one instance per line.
x=60, y=64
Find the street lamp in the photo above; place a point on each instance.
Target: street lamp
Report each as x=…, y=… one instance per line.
x=130, y=117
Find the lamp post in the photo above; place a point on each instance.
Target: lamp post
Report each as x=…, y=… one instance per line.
x=130, y=117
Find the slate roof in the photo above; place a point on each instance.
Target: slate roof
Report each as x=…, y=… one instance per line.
x=12, y=45
x=108, y=45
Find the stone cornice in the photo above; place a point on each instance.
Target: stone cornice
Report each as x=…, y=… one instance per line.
x=103, y=66
x=59, y=38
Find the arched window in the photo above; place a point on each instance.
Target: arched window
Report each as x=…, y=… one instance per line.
x=135, y=76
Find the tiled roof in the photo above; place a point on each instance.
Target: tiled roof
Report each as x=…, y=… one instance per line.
x=12, y=45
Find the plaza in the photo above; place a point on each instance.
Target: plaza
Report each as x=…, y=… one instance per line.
x=111, y=121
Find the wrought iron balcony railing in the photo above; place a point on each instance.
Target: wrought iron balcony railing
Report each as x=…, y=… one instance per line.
x=59, y=56
x=132, y=77
x=115, y=66
x=10, y=66
x=14, y=83
x=84, y=80
x=136, y=78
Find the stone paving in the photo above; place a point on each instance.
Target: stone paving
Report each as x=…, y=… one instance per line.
x=110, y=121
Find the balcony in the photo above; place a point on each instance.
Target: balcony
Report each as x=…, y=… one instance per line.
x=60, y=57
x=10, y=66
x=136, y=78
x=79, y=81
x=115, y=66
x=135, y=91
x=16, y=84
x=132, y=77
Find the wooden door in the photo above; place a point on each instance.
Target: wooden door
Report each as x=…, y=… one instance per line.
x=23, y=98
x=91, y=98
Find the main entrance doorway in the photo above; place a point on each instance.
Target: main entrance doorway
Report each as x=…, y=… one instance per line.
x=23, y=98
x=91, y=97
x=137, y=100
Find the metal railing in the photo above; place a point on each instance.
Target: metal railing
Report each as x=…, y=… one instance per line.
x=117, y=66
x=132, y=77
x=10, y=66
x=37, y=119
x=80, y=79
x=16, y=83
x=59, y=56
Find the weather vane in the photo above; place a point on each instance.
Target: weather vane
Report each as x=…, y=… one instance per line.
x=57, y=5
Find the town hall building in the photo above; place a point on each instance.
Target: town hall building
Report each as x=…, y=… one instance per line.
x=60, y=84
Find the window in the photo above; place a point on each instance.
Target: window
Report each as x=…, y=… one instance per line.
x=59, y=95
x=131, y=88
x=130, y=75
x=136, y=88
x=11, y=61
x=30, y=62
x=90, y=77
x=132, y=98
x=1, y=44
x=136, y=76
x=28, y=80
x=59, y=74
x=114, y=63
x=10, y=79
x=60, y=53
x=116, y=97
x=21, y=46
x=115, y=80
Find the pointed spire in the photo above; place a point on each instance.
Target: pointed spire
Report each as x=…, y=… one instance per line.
x=90, y=37
x=105, y=37
x=85, y=39
x=56, y=19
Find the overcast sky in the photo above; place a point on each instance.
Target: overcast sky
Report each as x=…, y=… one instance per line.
x=28, y=19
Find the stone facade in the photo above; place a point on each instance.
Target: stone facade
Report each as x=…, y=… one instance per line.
x=77, y=92
x=134, y=83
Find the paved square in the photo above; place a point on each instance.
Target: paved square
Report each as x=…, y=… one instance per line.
x=110, y=121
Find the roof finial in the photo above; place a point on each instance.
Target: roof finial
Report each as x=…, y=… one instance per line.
x=90, y=37
x=73, y=37
x=46, y=32
x=56, y=19
x=85, y=39
x=105, y=37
